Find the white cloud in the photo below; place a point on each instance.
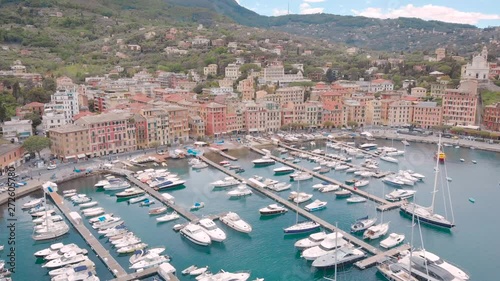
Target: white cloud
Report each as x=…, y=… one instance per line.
x=307, y=9
x=279, y=12
x=314, y=1
x=427, y=12
x=238, y=1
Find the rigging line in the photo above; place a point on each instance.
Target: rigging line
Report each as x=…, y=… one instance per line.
x=423, y=247
x=445, y=176
x=449, y=197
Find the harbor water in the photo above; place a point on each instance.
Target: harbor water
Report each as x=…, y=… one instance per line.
x=266, y=252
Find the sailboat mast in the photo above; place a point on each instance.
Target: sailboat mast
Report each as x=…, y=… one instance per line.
x=297, y=199
x=436, y=175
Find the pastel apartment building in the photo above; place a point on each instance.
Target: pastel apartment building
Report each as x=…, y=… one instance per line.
x=333, y=113
x=427, y=114
x=109, y=133
x=460, y=105
x=70, y=142
x=214, y=116
x=400, y=113
x=491, y=117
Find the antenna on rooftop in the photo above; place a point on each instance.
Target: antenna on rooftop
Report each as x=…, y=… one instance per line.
x=288, y=10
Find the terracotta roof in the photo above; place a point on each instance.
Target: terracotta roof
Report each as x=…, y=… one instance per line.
x=380, y=81
x=330, y=105
x=34, y=104
x=81, y=114
x=173, y=97
x=141, y=98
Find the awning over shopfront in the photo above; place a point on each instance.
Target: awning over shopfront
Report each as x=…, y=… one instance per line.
x=70, y=157
x=80, y=156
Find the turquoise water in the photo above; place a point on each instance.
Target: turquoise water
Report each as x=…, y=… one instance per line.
x=266, y=252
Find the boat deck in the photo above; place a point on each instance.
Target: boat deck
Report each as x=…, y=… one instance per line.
x=361, y=150
x=94, y=244
x=363, y=264
x=389, y=206
x=327, y=179
x=295, y=208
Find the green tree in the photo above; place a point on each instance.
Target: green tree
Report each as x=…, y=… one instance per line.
x=331, y=75
x=352, y=124
x=35, y=144
x=35, y=119
x=155, y=145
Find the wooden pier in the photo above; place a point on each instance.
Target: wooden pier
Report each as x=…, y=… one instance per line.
x=225, y=155
x=94, y=244
x=327, y=179
x=363, y=264
x=295, y=208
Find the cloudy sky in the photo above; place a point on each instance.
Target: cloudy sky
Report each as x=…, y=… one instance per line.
x=481, y=13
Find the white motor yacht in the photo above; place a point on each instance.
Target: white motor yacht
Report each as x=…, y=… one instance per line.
x=264, y=161
x=68, y=258
x=329, y=188
x=51, y=232
x=331, y=242
x=362, y=224
x=393, y=240
x=168, y=217
x=141, y=254
x=47, y=251
x=299, y=197
x=226, y=276
x=70, y=248
x=240, y=191
x=273, y=209
x=280, y=186
x=68, y=269
x=400, y=194
x=302, y=177
x=131, y=248
x=389, y=159
x=283, y=170
x=116, y=184
x=150, y=260
x=195, y=234
x=234, y=221
x=426, y=265
x=79, y=274
x=215, y=233
x=32, y=203
x=269, y=182
x=316, y=205
x=341, y=256
x=376, y=231
x=226, y=182
x=126, y=241
x=313, y=240
x=138, y=199
x=101, y=183
x=395, y=271
x=361, y=183
x=129, y=193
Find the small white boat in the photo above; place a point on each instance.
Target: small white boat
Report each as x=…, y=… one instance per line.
x=114, y=232
x=300, y=197
x=329, y=188
x=389, y=159
x=316, y=168
x=132, y=248
x=198, y=271
x=341, y=167
x=376, y=231
x=226, y=182
x=449, y=179
x=240, y=191
x=197, y=206
x=189, y=269
x=257, y=177
x=283, y=170
x=32, y=203
x=316, y=205
x=474, y=162
x=168, y=217
x=201, y=165
x=81, y=200
x=462, y=160
x=94, y=212
x=69, y=191
x=362, y=224
x=273, y=209
x=234, y=221
x=281, y=186
x=302, y=177
x=361, y=183
x=400, y=194
x=313, y=240
x=150, y=260
x=343, y=193
x=147, y=202
x=88, y=204
x=157, y=211
x=69, y=269
x=101, y=218
x=356, y=199
x=138, y=199
x=70, y=248
x=43, y=219
x=393, y=240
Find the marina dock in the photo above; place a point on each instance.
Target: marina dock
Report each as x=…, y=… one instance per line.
x=144, y=274
x=225, y=155
x=327, y=179
x=295, y=208
x=94, y=244
x=181, y=211
x=371, y=261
